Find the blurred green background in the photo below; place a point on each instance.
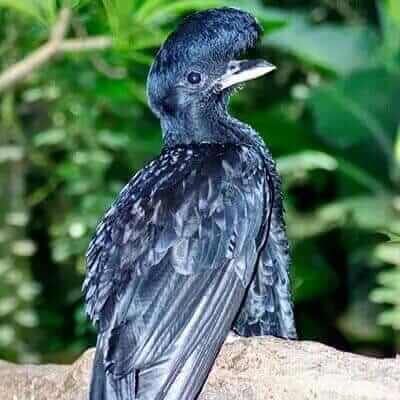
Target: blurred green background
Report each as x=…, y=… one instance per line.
x=78, y=127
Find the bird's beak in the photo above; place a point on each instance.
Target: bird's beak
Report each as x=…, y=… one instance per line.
x=240, y=71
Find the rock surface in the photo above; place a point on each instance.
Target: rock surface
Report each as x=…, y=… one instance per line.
x=247, y=369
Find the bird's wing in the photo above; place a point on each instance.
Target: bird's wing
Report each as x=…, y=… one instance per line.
x=156, y=259
x=268, y=308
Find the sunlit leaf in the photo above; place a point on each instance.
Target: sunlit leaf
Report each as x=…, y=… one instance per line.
x=113, y=140
x=389, y=253
x=26, y=318
x=174, y=8
x=306, y=161
x=394, y=10
x=120, y=14
x=23, y=248
x=49, y=138
x=353, y=213
x=28, y=7
x=391, y=318
x=11, y=153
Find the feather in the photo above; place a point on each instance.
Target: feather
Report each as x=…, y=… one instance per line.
x=169, y=272
x=268, y=308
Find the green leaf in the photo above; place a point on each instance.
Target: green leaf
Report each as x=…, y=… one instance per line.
x=50, y=9
x=391, y=318
x=139, y=28
x=270, y=18
x=141, y=58
x=359, y=322
x=274, y=123
x=149, y=40
x=388, y=291
x=30, y=8
x=397, y=147
x=354, y=212
x=297, y=167
x=113, y=140
x=178, y=7
x=312, y=276
x=361, y=176
x=49, y=138
x=306, y=161
x=120, y=15
x=390, y=26
x=337, y=48
x=161, y=10
x=394, y=10
x=148, y=7
x=363, y=105
x=75, y=4
x=389, y=253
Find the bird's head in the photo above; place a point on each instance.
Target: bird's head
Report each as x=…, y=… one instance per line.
x=197, y=67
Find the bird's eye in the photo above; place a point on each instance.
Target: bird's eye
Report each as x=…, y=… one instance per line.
x=194, y=78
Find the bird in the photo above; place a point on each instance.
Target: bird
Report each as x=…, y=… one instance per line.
x=195, y=245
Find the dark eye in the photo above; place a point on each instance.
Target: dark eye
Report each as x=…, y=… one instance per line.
x=194, y=78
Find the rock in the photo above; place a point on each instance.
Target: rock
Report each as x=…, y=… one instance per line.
x=247, y=369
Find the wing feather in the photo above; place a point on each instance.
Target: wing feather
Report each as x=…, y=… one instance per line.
x=164, y=243
x=268, y=308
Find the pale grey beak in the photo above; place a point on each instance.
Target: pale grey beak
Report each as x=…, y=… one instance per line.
x=240, y=71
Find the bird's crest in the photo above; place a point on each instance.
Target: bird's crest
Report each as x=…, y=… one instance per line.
x=222, y=33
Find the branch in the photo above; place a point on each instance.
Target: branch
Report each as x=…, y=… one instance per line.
x=87, y=44
x=56, y=45
x=40, y=56
x=60, y=28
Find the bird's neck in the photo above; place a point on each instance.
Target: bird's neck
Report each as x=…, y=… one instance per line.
x=207, y=125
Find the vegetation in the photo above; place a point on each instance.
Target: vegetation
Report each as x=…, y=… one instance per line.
x=74, y=126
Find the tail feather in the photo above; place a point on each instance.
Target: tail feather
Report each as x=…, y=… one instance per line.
x=179, y=372
x=184, y=372
x=98, y=380
x=267, y=308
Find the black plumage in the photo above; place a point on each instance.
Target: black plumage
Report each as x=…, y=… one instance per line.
x=195, y=244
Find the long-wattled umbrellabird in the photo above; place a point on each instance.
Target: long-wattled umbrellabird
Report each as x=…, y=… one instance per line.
x=195, y=244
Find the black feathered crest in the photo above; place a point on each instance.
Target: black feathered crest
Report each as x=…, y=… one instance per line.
x=214, y=34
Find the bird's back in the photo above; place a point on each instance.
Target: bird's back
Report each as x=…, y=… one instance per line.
x=169, y=266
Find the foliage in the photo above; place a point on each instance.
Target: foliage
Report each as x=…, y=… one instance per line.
x=78, y=128
x=390, y=282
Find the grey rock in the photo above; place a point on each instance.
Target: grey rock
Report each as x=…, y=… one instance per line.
x=246, y=369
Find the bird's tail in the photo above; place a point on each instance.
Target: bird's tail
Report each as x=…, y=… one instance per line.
x=183, y=372
x=104, y=386
x=267, y=308
x=179, y=371
x=98, y=380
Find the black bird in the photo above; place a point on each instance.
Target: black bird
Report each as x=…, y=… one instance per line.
x=195, y=244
